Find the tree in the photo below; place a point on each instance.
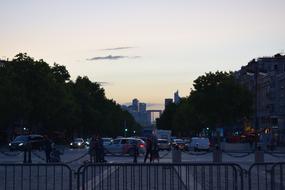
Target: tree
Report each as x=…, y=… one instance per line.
x=44, y=99
x=217, y=100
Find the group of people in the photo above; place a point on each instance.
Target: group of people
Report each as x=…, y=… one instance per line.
x=152, y=150
x=96, y=149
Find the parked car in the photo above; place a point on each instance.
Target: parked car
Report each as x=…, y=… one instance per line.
x=125, y=146
x=107, y=141
x=22, y=142
x=199, y=143
x=164, y=144
x=77, y=143
x=179, y=144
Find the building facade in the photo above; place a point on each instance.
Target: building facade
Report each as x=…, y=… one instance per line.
x=265, y=77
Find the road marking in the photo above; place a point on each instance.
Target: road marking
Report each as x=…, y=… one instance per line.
x=107, y=172
x=182, y=177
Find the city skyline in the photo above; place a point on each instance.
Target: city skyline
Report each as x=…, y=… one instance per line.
x=145, y=49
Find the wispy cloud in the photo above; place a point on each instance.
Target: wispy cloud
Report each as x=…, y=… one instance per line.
x=118, y=48
x=112, y=57
x=105, y=83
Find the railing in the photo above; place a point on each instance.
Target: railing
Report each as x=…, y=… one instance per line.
x=158, y=176
x=259, y=176
x=196, y=176
x=35, y=176
x=278, y=177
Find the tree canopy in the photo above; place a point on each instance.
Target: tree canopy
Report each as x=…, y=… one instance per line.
x=217, y=100
x=44, y=99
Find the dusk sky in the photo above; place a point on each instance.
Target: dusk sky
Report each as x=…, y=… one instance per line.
x=145, y=49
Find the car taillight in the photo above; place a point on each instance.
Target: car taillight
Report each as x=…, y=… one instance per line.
x=141, y=145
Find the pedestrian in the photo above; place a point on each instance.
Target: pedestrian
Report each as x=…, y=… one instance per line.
x=47, y=148
x=101, y=149
x=148, y=149
x=55, y=155
x=135, y=151
x=97, y=147
x=91, y=150
x=154, y=154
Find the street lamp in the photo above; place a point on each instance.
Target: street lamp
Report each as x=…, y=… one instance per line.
x=255, y=74
x=126, y=130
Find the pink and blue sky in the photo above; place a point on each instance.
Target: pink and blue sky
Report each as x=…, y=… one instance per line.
x=143, y=49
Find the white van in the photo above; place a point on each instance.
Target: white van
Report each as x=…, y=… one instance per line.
x=199, y=143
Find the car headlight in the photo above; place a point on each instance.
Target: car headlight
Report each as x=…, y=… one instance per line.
x=71, y=144
x=78, y=144
x=21, y=144
x=10, y=144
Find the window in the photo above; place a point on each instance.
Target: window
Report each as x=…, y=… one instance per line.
x=117, y=141
x=275, y=67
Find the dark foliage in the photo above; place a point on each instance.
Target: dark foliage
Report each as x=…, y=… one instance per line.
x=44, y=99
x=217, y=100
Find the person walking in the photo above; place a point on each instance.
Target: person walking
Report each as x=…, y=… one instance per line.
x=136, y=151
x=154, y=154
x=47, y=148
x=101, y=149
x=97, y=148
x=91, y=149
x=148, y=149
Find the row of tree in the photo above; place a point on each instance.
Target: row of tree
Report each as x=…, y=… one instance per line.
x=44, y=99
x=218, y=100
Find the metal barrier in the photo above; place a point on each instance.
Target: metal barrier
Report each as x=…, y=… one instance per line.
x=278, y=177
x=196, y=176
x=35, y=176
x=259, y=176
x=158, y=176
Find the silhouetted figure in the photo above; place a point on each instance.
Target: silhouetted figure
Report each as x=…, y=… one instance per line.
x=47, y=148
x=154, y=155
x=148, y=149
x=99, y=149
x=136, y=152
x=92, y=150
x=28, y=152
x=55, y=155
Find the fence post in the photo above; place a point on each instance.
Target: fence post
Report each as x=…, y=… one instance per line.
x=217, y=155
x=176, y=156
x=259, y=155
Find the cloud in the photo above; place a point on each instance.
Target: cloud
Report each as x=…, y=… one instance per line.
x=118, y=48
x=112, y=57
x=105, y=83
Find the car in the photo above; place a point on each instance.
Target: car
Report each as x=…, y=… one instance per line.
x=77, y=143
x=22, y=142
x=199, y=143
x=107, y=141
x=179, y=144
x=163, y=144
x=125, y=146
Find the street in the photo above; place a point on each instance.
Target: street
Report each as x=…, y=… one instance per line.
x=77, y=157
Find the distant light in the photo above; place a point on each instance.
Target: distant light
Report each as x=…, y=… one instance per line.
x=126, y=129
x=134, y=132
x=208, y=128
x=25, y=128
